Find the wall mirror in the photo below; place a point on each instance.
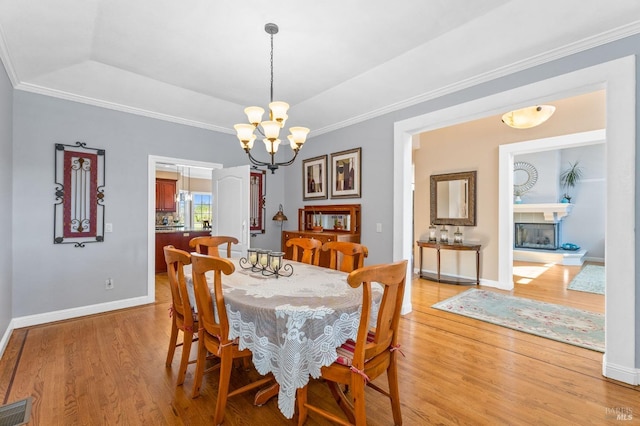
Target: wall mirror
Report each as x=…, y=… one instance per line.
x=453, y=199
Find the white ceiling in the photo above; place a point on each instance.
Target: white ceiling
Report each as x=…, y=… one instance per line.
x=336, y=62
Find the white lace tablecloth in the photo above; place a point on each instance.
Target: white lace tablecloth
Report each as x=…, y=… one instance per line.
x=292, y=325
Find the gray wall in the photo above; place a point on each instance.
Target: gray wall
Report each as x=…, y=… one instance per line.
x=66, y=276
x=376, y=140
x=6, y=194
x=585, y=225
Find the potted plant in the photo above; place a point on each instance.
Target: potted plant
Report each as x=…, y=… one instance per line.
x=316, y=226
x=517, y=199
x=569, y=178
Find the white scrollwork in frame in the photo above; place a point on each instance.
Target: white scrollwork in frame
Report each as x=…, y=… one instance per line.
x=525, y=177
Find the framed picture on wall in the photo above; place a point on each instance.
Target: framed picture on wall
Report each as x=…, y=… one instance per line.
x=78, y=210
x=314, y=178
x=345, y=174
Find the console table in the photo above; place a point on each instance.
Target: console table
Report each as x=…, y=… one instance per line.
x=447, y=246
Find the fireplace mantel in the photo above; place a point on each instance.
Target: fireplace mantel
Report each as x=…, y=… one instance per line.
x=551, y=211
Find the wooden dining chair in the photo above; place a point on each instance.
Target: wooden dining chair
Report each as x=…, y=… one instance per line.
x=213, y=334
x=372, y=353
x=183, y=317
x=305, y=250
x=345, y=256
x=209, y=244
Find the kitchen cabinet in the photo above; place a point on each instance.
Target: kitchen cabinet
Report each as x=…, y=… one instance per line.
x=325, y=223
x=178, y=239
x=165, y=195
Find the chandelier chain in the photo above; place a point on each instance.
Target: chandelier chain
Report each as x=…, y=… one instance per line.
x=271, y=85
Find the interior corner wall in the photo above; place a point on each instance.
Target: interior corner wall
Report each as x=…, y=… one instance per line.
x=375, y=137
x=68, y=277
x=6, y=183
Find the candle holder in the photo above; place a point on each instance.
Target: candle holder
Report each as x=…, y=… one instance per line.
x=432, y=233
x=444, y=235
x=276, y=266
x=252, y=260
x=457, y=236
x=266, y=262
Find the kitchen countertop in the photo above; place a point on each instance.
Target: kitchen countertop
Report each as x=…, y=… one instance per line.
x=165, y=229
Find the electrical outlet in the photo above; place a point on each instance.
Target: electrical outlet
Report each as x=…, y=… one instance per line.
x=108, y=284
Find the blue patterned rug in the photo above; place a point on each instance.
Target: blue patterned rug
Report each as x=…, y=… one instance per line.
x=561, y=323
x=590, y=279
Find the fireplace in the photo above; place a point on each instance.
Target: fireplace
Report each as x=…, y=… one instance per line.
x=541, y=236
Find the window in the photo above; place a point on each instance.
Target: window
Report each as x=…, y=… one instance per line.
x=193, y=208
x=201, y=205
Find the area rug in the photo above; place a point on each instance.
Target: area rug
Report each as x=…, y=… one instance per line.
x=561, y=323
x=590, y=279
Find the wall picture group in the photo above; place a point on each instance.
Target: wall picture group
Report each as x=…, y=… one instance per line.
x=345, y=175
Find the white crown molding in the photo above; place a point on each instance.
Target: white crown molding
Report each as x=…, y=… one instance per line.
x=6, y=60
x=551, y=55
x=33, y=88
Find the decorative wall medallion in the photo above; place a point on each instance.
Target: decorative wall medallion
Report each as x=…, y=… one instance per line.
x=525, y=177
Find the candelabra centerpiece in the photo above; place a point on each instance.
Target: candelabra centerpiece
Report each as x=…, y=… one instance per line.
x=266, y=262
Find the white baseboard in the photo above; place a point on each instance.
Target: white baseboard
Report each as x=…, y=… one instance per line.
x=81, y=311
x=485, y=282
x=620, y=373
x=5, y=338
x=406, y=309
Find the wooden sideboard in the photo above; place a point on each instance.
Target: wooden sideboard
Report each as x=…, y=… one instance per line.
x=339, y=222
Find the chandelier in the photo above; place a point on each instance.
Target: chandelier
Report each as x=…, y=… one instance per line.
x=270, y=129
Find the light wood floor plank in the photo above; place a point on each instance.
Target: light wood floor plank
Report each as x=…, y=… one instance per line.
x=109, y=369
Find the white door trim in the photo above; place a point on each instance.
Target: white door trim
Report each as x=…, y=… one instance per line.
x=151, y=210
x=618, y=77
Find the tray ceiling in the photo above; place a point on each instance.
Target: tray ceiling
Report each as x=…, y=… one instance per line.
x=336, y=62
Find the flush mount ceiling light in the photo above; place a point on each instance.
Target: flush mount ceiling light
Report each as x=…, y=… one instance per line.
x=270, y=129
x=528, y=117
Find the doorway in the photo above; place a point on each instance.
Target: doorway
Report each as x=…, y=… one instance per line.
x=548, y=271
x=153, y=163
x=617, y=76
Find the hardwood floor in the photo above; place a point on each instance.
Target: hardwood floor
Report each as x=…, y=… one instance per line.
x=109, y=369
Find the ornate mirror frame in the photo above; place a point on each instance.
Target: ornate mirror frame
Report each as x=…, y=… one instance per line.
x=466, y=205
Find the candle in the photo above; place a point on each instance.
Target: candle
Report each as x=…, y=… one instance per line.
x=275, y=263
x=263, y=260
x=253, y=258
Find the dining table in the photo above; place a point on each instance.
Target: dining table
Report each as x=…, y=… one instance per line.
x=291, y=324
